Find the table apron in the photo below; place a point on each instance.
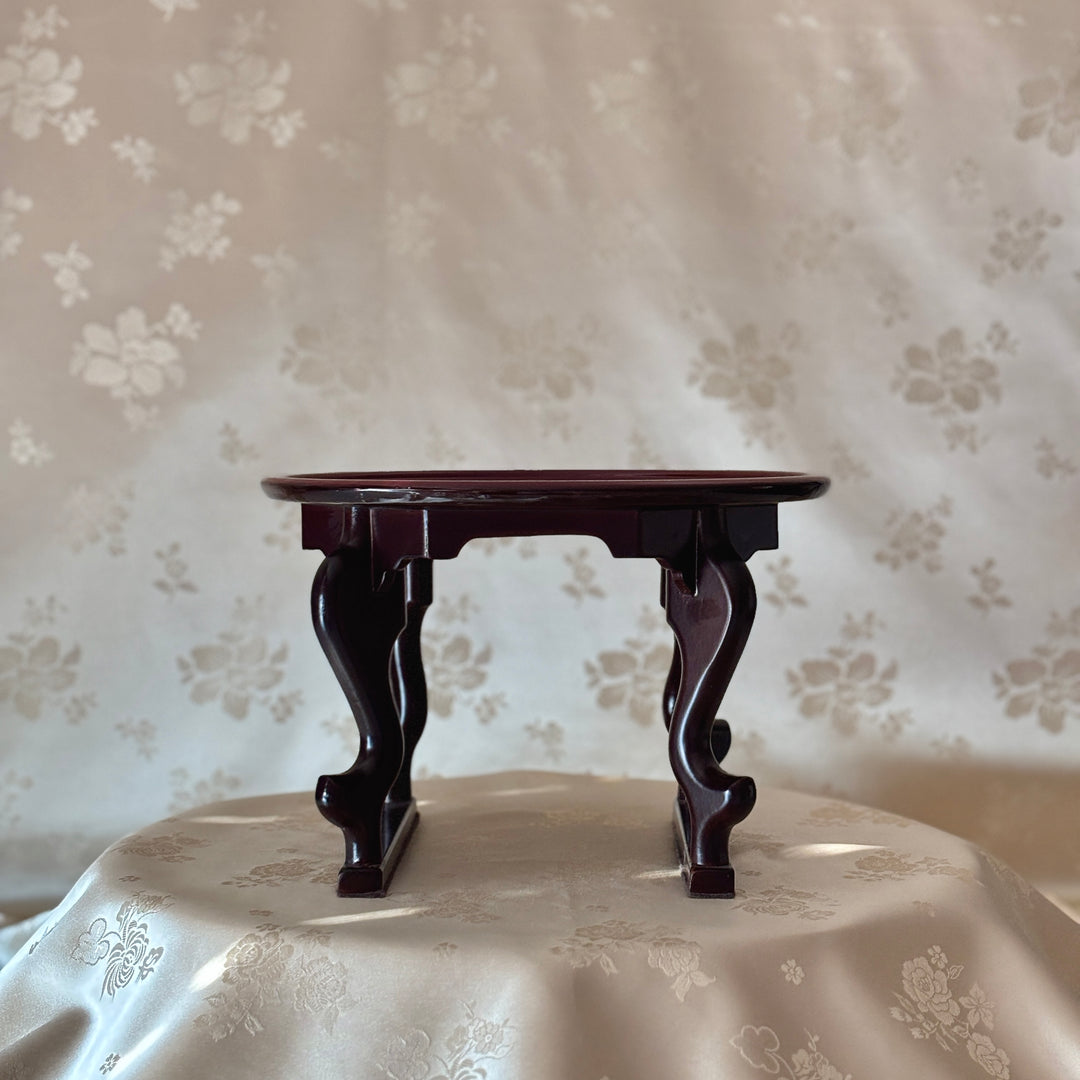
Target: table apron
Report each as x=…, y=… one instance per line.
x=395, y=536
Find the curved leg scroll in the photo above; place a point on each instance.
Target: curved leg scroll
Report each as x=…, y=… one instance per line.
x=711, y=627
x=720, y=735
x=357, y=628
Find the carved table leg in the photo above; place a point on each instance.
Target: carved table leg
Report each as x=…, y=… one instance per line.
x=711, y=627
x=358, y=627
x=720, y=735
x=407, y=681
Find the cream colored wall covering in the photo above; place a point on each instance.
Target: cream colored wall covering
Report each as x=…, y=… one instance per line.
x=250, y=239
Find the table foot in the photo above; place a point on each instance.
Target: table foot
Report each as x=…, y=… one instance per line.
x=358, y=625
x=711, y=623
x=714, y=882
x=399, y=822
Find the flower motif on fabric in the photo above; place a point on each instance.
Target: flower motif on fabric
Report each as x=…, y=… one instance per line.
x=1052, y=110
x=753, y=376
x=784, y=593
x=860, y=104
x=315, y=871
x=815, y=245
x=234, y=449
x=97, y=514
x=834, y=814
x=550, y=735
x=456, y=667
x=170, y=848
x=583, y=576
x=68, y=267
x=760, y=1047
x=893, y=296
x=349, y=155
x=410, y=225
x=633, y=677
x=625, y=101
x=447, y=91
x=135, y=360
x=264, y=971
x=465, y=905
x=213, y=788
x=13, y=789
x=886, y=865
x=654, y=96
x=666, y=951
x=844, y=466
x=36, y=86
x=12, y=204
x=915, y=537
x=548, y=365
x=600, y=942
x=1019, y=244
x=955, y=380
x=1047, y=682
x=240, y=668
x=36, y=671
x=142, y=733
x=990, y=595
x=930, y=1010
x=287, y=529
x=340, y=359
x=174, y=570
x=110, y=1063
x=197, y=231
x=254, y=977
x=25, y=448
x=792, y=972
x=139, y=153
x=786, y=902
x=321, y=988
x=242, y=91
x=1050, y=464
x=465, y=1051
x=968, y=180
x=126, y=949
x=680, y=961
x=406, y=1057
x=278, y=272
x=849, y=684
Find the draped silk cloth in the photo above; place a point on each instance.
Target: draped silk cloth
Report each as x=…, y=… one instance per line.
x=538, y=928
x=260, y=237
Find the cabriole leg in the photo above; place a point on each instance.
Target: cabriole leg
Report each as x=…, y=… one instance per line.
x=711, y=627
x=357, y=627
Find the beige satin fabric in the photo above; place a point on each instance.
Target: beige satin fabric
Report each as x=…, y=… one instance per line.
x=538, y=928
x=267, y=237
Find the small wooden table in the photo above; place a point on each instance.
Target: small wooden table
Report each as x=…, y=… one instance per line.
x=380, y=533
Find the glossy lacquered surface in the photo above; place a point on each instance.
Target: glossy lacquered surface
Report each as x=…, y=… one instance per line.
x=553, y=487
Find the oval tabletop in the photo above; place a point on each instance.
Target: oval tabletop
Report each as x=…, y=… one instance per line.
x=560, y=487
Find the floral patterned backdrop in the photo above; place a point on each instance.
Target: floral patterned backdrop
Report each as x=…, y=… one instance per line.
x=250, y=239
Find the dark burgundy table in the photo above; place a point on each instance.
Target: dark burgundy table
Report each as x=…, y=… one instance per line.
x=381, y=531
